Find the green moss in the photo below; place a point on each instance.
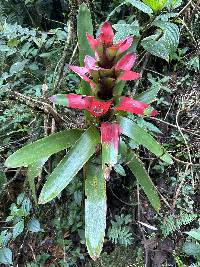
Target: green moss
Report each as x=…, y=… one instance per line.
x=121, y=256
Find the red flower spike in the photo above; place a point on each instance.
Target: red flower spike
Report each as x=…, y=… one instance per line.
x=99, y=108
x=129, y=75
x=130, y=105
x=106, y=33
x=109, y=139
x=94, y=43
x=126, y=62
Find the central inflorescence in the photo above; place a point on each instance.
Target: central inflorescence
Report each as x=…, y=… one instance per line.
x=105, y=73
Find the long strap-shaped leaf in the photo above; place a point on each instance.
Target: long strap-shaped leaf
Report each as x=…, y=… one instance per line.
x=132, y=130
x=95, y=209
x=69, y=166
x=35, y=170
x=148, y=96
x=42, y=148
x=137, y=168
x=84, y=24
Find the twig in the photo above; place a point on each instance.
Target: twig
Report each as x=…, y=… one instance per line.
x=179, y=189
x=188, y=149
x=184, y=8
x=164, y=199
x=34, y=103
x=191, y=34
x=175, y=126
x=186, y=162
x=153, y=71
x=190, y=158
x=141, y=72
x=34, y=257
x=20, y=248
x=73, y=54
x=141, y=228
x=62, y=61
x=11, y=180
x=17, y=141
x=132, y=205
x=45, y=97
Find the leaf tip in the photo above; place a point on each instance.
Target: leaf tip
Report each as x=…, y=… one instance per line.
x=9, y=163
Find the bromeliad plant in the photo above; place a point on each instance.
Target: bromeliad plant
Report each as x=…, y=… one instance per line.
x=110, y=127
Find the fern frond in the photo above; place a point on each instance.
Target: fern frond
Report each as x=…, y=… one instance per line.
x=171, y=223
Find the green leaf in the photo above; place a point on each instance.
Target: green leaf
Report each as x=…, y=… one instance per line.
x=34, y=170
x=147, y=125
x=137, y=168
x=195, y=233
x=155, y=5
x=165, y=43
x=155, y=47
x=6, y=256
x=166, y=16
x=95, y=209
x=119, y=169
x=34, y=226
x=141, y=6
x=192, y=249
x=18, y=66
x=26, y=206
x=140, y=136
x=69, y=166
x=5, y=237
x=148, y=96
x=18, y=229
x=3, y=179
x=123, y=30
x=84, y=24
x=118, y=89
x=42, y=148
x=172, y=4
x=170, y=35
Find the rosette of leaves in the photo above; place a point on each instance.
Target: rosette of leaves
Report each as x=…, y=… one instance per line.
x=104, y=69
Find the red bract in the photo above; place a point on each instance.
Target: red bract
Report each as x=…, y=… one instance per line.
x=95, y=107
x=109, y=139
x=92, y=41
x=81, y=71
x=79, y=101
x=90, y=63
x=106, y=34
x=126, y=62
x=110, y=133
x=134, y=106
x=122, y=46
x=99, y=108
x=106, y=38
x=129, y=76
